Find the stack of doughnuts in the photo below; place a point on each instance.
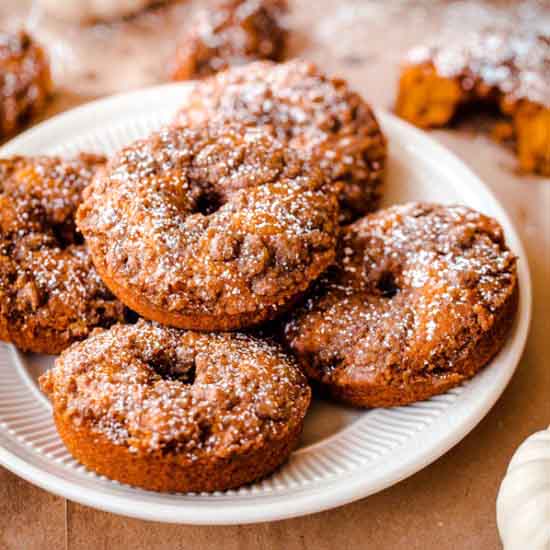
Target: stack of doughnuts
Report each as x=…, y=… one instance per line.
x=213, y=270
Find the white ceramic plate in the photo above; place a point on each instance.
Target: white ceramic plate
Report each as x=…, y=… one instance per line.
x=345, y=454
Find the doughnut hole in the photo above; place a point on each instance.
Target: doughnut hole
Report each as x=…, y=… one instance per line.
x=174, y=368
x=387, y=284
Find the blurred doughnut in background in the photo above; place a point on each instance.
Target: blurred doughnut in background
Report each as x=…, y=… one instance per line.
x=25, y=81
x=93, y=11
x=231, y=33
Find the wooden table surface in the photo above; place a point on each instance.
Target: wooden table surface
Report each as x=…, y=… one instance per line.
x=450, y=504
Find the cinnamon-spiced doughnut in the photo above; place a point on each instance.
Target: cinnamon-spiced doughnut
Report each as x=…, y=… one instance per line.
x=230, y=33
x=25, y=81
x=421, y=298
x=50, y=292
x=510, y=69
x=210, y=228
x=95, y=11
x=310, y=111
x=172, y=410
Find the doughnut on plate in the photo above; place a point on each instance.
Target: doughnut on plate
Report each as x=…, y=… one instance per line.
x=345, y=454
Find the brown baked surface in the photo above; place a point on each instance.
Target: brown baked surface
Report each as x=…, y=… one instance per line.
x=210, y=228
x=172, y=410
x=25, y=81
x=421, y=298
x=510, y=70
x=50, y=293
x=313, y=113
x=230, y=33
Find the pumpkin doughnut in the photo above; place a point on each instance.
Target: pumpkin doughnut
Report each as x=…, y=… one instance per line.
x=209, y=229
x=421, y=298
x=508, y=69
x=172, y=410
x=88, y=12
x=25, y=81
x=232, y=32
x=50, y=292
x=311, y=112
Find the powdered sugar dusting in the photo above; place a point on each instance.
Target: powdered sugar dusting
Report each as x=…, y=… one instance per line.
x=516, y=62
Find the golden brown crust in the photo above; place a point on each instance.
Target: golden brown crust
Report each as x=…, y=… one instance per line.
x=166, y=474
x=171, y=410
x=421, y=298
x=50, y=292
x=313, y=113
x=509, y=70
x=233, y=32
x=25, y=81
x=205, y=322
x=210, y=228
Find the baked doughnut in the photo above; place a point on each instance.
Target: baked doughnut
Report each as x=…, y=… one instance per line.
x=50, y=293
x=172, y=410
x=233, y=32
x=311, y=112
x=509, y=69
x=421, y=298
x=209, y=229
x=25, y=81
x=94, y=11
